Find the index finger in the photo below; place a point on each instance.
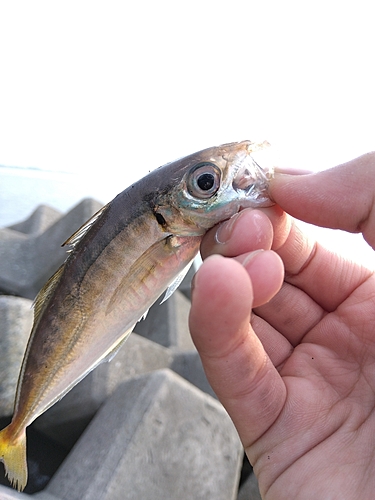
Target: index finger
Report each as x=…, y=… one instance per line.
x=342, y=197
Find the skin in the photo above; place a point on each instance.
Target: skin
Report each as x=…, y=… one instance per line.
x=292, y=356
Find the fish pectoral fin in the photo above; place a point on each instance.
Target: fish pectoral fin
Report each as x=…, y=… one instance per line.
x=149, y=263
x=114, y=349
x=176, y=283
x=144, y=315
x=80, y=233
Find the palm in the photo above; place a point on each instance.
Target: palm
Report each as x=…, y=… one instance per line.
x=324, y=431
x=328, y=416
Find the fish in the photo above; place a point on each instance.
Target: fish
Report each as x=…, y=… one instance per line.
x=120, y=262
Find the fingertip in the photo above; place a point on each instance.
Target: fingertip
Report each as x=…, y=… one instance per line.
x=220, y=276
x=266, y=271
x=221, y=302
x=246, y=231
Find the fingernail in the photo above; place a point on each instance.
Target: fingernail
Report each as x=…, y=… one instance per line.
x=251, y=256
x=292, y=171
x=224, y=231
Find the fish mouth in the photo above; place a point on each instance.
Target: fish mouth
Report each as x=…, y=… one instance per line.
x=251, y=181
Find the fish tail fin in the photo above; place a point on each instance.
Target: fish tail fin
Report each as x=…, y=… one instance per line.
x=13, y=454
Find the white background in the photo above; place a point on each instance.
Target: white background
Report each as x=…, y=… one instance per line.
x=107, y=91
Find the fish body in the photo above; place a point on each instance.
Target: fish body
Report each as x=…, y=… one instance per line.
x=120, y=262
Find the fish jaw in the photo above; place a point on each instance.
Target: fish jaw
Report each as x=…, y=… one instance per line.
x=250, y=182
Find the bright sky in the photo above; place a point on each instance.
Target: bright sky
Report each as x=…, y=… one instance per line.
x=114, y=89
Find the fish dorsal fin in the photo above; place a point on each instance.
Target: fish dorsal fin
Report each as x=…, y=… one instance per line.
x=45, y=293
x=176, y=283
x=80, y=233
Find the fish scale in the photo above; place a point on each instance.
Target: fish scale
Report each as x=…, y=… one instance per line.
x=120, y=262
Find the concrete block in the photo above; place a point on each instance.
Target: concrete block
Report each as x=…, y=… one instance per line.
x=249, y=490
x=29, y=259
x=10, y=494
x=65, y=421
x=185, y=286
x=16, y=317
x=43, y=495
x=167, y=323
x=157, y=437
x=41, y=219
x=188, y=365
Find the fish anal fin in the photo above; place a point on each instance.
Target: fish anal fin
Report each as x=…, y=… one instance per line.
x=80, y=233
x=13, y=455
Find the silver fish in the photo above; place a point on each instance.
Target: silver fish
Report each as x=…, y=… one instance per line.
x=121, y=261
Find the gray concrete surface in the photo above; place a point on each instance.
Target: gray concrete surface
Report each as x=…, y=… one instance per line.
x=156, y=437
x=249, y=489
x=30, y=256
x=167, y=323
x=16, y=317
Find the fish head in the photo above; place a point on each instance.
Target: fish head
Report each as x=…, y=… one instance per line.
x=212, y=185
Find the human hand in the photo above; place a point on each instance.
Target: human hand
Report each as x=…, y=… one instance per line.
x=298, y=379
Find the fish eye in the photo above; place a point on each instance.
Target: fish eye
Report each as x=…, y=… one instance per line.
x=204, y=180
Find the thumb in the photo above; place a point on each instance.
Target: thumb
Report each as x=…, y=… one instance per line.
x=340, y=198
